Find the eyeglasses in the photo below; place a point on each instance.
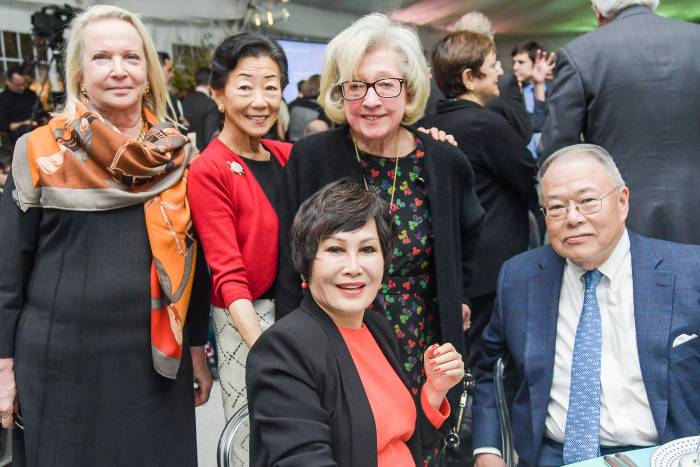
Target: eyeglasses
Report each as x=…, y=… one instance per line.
x=386, y=87
x=557, y=210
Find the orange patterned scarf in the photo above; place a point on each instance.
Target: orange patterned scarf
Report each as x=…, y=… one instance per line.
x=87, y=164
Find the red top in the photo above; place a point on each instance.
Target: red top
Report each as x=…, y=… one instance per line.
x=392, y=406
x=235, y=222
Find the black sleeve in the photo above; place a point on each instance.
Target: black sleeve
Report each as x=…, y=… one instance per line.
x=470, y=221
x=5, y=118
x=19, y=232
x=198, y=314
x=508, y=158
x=539, y=115
x=511, y=105
x=288, y=292
x=289, y=425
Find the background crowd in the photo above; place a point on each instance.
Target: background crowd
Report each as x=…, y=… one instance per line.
x=403, y=221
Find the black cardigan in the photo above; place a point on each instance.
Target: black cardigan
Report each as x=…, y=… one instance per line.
x=325, y=157
x=306, y=400
x=505, y=183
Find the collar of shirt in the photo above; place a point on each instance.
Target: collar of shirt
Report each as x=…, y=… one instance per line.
x=612, y=268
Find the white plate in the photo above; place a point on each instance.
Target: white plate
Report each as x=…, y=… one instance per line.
x=670, y=453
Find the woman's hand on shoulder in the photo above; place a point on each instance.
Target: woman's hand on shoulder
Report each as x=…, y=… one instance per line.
x=439, y=135
x=444, y=368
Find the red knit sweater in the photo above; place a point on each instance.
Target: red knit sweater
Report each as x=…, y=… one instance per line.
x=235, y=222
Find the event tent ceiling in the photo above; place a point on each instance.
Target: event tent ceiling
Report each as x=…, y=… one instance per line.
x=508, y=16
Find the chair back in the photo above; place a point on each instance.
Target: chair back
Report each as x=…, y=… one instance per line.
x=233, y=448
x=499, y=385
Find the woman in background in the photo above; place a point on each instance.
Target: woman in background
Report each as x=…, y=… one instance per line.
x=467, y=72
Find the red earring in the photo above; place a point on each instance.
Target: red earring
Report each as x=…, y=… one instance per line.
x=304, y=285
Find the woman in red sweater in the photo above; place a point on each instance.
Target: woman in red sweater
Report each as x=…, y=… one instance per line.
x=325, y=386
x=232, y=190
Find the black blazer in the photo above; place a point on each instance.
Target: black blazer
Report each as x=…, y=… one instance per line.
x=505, y=183
x=306, y=400
x=325, y=157
x=203, y=117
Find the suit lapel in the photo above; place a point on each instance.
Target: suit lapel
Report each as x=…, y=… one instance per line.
x=543, y=312
x=653, y=300
x=362, y=427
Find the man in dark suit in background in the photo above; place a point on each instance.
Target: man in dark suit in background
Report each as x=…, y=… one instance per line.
x=631, y=86
x=201, y=111
x=601, y=328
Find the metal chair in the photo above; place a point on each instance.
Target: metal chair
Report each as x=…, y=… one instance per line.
x=5, y=447
x=233, y=443
x=499, y=381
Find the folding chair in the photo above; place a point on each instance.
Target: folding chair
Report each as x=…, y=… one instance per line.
x=233, y=443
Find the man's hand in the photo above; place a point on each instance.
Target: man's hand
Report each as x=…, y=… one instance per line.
x=544, y=66
x=8, y=392
x=489, y=460
x=201, y=375
x=439, y=135
x=15, y=125
x=466, y=317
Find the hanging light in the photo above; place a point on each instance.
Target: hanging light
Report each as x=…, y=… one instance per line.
x=257, y=20
x=285, y=14
x=270, y=20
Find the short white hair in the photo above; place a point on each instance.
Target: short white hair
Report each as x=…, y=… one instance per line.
x=346, y=51
x=157, y=98
x=609, y=8
x=580, y=151
x=474, y=21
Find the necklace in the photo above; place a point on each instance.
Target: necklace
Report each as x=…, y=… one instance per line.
x=144, y=129
x=396, y=168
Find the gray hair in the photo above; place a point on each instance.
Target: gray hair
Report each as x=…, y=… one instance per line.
x=474, y=21
x=579, y=151
x=345, y=52
x=610, y=8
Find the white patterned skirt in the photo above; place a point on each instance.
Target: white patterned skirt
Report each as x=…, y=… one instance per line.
x=232, y=353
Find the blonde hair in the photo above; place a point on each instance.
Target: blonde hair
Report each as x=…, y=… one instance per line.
x=156, y=100
x=347, y=50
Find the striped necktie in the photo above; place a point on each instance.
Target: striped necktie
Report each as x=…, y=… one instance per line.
x=581, y=438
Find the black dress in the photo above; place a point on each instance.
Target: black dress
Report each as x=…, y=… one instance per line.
x=85, y=380
x=407, y=298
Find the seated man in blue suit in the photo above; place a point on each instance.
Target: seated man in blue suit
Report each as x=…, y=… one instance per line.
x=602, y=327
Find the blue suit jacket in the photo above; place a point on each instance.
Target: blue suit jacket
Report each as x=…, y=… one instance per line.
x=666, y=278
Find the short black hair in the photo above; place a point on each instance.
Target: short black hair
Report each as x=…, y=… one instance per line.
x=202, y=75
x=163, y=56
x=529, y=47
x=14, y=70
x=341, y=206
x=300, y=84
x=242, y=45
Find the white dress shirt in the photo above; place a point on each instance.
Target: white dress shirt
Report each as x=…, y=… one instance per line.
x=625, y=416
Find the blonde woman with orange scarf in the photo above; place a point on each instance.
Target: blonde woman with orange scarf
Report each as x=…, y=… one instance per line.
x=98, y=257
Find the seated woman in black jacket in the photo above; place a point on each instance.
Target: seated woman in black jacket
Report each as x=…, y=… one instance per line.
x=325, y=386
x=466, y=70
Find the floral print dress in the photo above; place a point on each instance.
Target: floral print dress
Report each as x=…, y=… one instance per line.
x=407, y=297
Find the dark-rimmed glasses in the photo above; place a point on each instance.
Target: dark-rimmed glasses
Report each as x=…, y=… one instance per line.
x=586, y=206
x=385, y=87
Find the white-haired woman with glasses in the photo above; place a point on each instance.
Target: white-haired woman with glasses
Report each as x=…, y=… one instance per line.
x=97, y=348
x=374, y=85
